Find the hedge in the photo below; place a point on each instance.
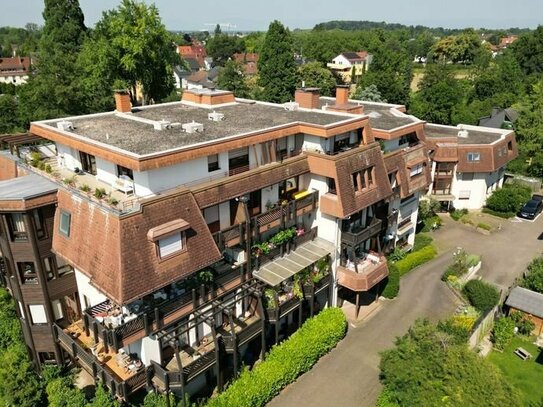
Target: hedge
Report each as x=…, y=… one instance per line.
x=415, y=259
x=285, y=362
x=481, y=295
x=421, y=241
x=505, y=215
x=392, y=288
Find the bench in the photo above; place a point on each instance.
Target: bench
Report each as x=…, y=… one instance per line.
x=523, y=353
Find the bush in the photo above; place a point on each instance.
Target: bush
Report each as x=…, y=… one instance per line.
x=502, y=333
x=504, y=215
x=524, y=324
x=509, y=199
x=285, y=362
x=430, y=222
x=428, y=208
x=397, y=254
x=392, y=288
x=421, y=240
x=533, y=279
x=415, y=259
x=481, y=295
x=458, y=213
x=484, y=226
x=100, y=193
x=472, y=260
x=457, y=328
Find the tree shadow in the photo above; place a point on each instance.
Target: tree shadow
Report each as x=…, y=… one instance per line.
x=539, y=358
x=540, y=237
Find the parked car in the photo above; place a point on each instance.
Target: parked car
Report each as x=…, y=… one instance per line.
x=532, y=208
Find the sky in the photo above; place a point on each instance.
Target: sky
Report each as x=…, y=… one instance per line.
x=250, y=15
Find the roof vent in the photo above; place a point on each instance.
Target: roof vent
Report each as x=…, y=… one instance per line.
x=215, y=116
x=162, y=125
x=193, y=127
x=463, y=133
x=65, y=125
x=374, y=115
x=291, y=106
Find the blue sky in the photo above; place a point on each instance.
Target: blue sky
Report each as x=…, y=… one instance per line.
x=256, y=15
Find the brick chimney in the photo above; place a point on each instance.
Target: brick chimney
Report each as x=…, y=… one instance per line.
x=342, y=94
x=122, y=101
x=308, y=98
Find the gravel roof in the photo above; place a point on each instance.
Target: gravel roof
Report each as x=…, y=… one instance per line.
x=141, y=138
x=474, y=136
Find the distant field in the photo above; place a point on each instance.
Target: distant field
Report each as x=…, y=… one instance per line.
x=418, y=72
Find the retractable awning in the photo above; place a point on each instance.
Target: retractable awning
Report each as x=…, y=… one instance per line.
x=306, y=254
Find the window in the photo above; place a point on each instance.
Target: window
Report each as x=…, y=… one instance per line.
x=56, y=305
x=38, y=223
x=510, y=145
x=213, y=162
x=331, y=186
x=474, y=156
x=17, y=227
x=64, y=224
x=363, y=179
x=48, y=268
x=467, y=176
x=123, y=171
x=171, y=245
x=27, y=272
x=416, y=170
x=464, y=194
x=37, y=314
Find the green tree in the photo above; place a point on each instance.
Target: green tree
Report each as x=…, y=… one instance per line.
x=54, y=90
x=103, y=398
x=132, y=48
x=231, y=77
x=428, y=367
x=533, y=279
x=463, y=48
x=9, y=116
x=528, y=50
x=276, y=65
x=221, y=48
x=62, y=393
x=369, y=93
x=314, y=75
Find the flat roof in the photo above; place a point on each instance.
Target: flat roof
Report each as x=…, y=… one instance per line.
x=476, y=135
x=383, y=116
x=138, y=136
x=27, y=187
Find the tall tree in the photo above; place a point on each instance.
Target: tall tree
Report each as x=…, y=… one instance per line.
x=221, y=48
x=132, y=48
x=528, y=50
x=313, y=74
x=232, y=77
x=54, y=90
x=276, y=65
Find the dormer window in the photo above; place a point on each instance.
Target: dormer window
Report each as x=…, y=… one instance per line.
x=169, y=238
x=474, y=157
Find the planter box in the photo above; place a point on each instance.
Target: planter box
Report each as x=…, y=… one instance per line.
x=471, y=272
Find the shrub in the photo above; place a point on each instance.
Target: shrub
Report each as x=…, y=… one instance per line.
x=421, y=240
x=458, y=329
x=466, y=221
x=472, y=260
x=459, y=266
x=481, y=295
x=85, y=188
x=428, y=208
x=99, y=193
x=524, y=324
x=392, y=288
x=533, y=279
x=113, y=201
x=386, y=399
x=415, y=259
x=285, y=362
x=41, y=165
x=509, y=199
x=458, y=213
x=430, y=222
x=502, y=333
x=69, y=181
x=48, y=169
x=397, y=254
x=505, y=215
x=484, y=226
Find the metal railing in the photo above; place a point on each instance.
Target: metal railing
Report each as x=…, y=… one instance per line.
x=355, y=238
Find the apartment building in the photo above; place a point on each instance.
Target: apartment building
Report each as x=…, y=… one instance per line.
x=468, y=162
x=180, y=241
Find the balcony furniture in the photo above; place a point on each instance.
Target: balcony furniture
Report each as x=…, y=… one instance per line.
x=124, y=183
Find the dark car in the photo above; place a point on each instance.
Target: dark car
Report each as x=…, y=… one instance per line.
x=532, y=208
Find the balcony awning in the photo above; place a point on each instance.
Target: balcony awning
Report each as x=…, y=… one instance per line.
x=277, y=271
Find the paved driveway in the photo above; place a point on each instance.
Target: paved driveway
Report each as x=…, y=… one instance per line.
x=349, y=375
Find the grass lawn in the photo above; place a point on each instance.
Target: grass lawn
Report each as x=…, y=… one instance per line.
x=525, y=375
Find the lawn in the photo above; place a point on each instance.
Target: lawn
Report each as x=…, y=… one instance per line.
x=527, y=375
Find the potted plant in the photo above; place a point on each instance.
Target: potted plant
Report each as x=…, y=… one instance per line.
x=269, y=298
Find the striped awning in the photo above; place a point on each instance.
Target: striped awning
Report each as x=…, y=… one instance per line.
x=306, y=254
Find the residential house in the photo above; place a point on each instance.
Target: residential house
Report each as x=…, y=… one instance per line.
x=347, y=63
x=528, y=302
x=499, y=118
x=14, y=70
x=249, y=61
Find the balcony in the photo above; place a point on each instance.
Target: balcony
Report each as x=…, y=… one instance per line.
x=242, y=331
x=364, y=274
x=119, y=372
x=356, y=237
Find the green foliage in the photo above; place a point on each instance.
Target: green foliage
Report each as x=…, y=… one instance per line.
x=100, y=193
x=421, y=240
x=504, y=215
x=232, y=78
x=524, y=324
x=459, y=266
x=369, y=93
x=484, y=226
x=153, y=399
x=428, y=208
x=458, y=48
x=385, y=399
x=527, y=50
x=315, y=76
x=9, y=324
x=483, y=296
x=415, y=259
x=456, y=329
x=510, y=198
x=285, y=362
x=276, y=66
x=392, y=287
x=85, y=188
x=10, y=121
x=458, y=213
x=502, y=333
x=397, y=254
x=432, y=223
x=533, y=279
x=222, y=47
x=429, y=367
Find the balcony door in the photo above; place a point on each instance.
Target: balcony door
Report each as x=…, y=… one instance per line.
x=88, y=162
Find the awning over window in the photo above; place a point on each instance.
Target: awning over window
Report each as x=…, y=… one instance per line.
x=277, y=271
x=167, y=229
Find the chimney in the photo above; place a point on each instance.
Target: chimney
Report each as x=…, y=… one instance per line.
x=307, y=98
x=122, y=101
x=342, y=94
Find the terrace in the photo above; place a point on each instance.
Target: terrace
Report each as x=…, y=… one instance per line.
x=362, y=274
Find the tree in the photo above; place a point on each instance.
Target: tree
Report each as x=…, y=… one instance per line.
x=276, y=65
x=369, y=93
x=533, y=280
x=528, y=50
x=221, y=48
x=9, y=115
x=231, y=77
x=54, y=90
x=458, y=48
x=428, y=367
x=132, y=48
x=314, y=75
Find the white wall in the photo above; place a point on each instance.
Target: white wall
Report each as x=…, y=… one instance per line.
x=150, y=350
x=68, y=157
x=341, y=60
x=84, y=288
x=480, y=188
x=14, y=79
x=269, y=195
x=106, y=171
x=313, y=143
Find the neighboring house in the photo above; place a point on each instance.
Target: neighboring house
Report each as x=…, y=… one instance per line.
x=499, y=118
x=506, y=41
x=194, y=51
x=344, y=63
x=180, y=73
x=249, y=61
x=468, y=162
x=198, y=80
x=529, y=303
x=14, y=70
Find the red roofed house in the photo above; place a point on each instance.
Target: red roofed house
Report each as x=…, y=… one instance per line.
x=249, y=61
x=14, y=70
x=194, y=51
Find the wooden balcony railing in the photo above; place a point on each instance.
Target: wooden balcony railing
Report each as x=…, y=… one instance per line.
x=244, y=335
x=368, y=275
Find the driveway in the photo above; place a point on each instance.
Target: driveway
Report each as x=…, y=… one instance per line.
x=349, y=375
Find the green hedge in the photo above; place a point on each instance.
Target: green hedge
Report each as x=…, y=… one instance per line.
x=421, y=240
x=415, y=259
x=392, y=288
x=483, y=296
x=285, y=362
x=505, y=215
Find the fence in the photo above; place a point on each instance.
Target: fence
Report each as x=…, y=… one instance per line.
x=482, y=327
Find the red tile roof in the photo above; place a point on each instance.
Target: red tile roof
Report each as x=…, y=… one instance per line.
x=15, y=65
